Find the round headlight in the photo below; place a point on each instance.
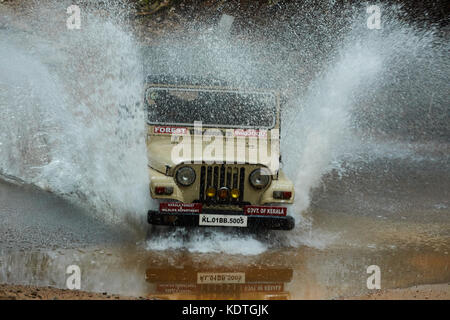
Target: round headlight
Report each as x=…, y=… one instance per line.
x=259, y=178
x=185, y=176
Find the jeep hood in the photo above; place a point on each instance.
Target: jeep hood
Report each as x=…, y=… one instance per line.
x=160, y=154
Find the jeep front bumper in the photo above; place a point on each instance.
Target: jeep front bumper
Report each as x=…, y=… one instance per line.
x=177, y=219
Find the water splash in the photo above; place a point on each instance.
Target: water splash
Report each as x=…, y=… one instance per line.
x=204, y=241
x=323, y=124
x=70, y=120
x=348, y=111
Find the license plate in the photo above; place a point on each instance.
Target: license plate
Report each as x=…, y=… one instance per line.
x=222, y=220
x=220, y=277
x=265, y=211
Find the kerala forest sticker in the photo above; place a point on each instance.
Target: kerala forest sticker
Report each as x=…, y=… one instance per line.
x=170, y=130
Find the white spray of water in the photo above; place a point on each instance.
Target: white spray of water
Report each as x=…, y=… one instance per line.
x=70, y=120
x=201, y=241
x=314, y=135
x=322, y=127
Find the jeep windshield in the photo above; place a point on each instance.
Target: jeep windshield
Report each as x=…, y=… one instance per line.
x=214, y=108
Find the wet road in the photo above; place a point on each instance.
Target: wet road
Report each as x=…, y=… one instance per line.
x=395, y=217
x=298, y=273
x=31, y=219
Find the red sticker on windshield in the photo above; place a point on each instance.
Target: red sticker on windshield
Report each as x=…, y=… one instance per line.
x=250, y=133
x=265, y=210
x=170, y=130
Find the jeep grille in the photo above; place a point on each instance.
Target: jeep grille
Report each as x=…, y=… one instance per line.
x=218, y=176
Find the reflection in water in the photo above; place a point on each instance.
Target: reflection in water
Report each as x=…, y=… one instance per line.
x=239, y=282
x=302, y=273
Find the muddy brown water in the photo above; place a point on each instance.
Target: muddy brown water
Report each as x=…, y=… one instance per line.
x=398, y=222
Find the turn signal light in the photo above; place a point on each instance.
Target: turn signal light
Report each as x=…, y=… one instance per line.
x=163, y=190
x=235, y=193
x=282, y=195
x=210, y=192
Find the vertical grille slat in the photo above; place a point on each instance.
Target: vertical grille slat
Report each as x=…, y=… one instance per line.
x=209, y=177
x=228, y=183
x=235, y=178
x=222, y=176
x=241, y=184
x=202, y=182
x=216, y=177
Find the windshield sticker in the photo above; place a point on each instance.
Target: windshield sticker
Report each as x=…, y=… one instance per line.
x=250, y=133
x=170, y=130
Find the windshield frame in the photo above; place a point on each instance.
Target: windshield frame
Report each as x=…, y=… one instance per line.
x=276, y=108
